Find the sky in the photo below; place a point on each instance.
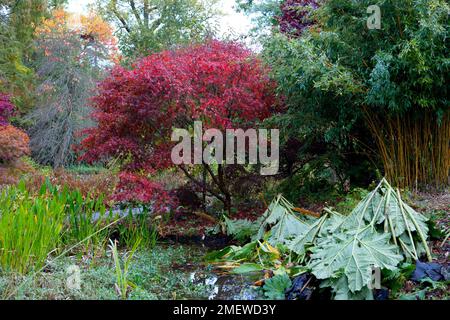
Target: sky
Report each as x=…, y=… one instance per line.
x=231, y=22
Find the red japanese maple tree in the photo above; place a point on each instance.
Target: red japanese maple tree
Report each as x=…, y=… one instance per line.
x=14, y=143
x=223, y=84
x=6, y=109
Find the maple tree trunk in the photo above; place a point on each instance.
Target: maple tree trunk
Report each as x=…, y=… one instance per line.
x=223, y=187
x=218, y=181
x=204, y=188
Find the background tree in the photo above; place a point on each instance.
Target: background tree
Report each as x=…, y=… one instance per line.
x=148, y=26
x=313, y=158
x=222, y=84
x=71, y=53
x=339, y=78
x=263, y=13
x=17, y=22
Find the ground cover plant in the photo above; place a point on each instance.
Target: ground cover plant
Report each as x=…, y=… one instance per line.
x=151, y=272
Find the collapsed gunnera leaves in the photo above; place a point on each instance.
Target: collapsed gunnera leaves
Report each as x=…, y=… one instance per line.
x=379, y=233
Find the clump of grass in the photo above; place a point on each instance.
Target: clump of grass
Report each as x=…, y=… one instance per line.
x=34, y=224
x=86, y=170
x=141, y=227
x=30, y=227
x=85, y=217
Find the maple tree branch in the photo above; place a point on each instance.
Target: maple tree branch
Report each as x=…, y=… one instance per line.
x=214, y=178
x=135, y=12
x=119, y=16
x=200, y=184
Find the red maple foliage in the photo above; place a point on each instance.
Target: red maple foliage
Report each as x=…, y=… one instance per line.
x=6, y=109
x=296, y=16
x=14, y=144
x=137, y=188
x=223, y=84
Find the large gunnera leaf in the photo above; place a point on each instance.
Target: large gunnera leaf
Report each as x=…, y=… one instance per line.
x=380, y=232
x=275, y=288
x=302, y=239
x=384, y=209
x=282, y=222
x=240, y=229
x=341, y=291
x=347, y=248
x=353, y=253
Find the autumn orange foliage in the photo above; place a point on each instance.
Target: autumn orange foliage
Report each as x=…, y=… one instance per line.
x=14, y=144
x=96, y=27
x=89, y=27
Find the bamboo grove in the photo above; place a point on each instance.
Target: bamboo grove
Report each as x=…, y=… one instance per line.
x=414, y=149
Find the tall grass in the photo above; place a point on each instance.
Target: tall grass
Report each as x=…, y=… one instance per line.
x=85, y=217
x=141, y=228
x=30, y=227
x=33, y=225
